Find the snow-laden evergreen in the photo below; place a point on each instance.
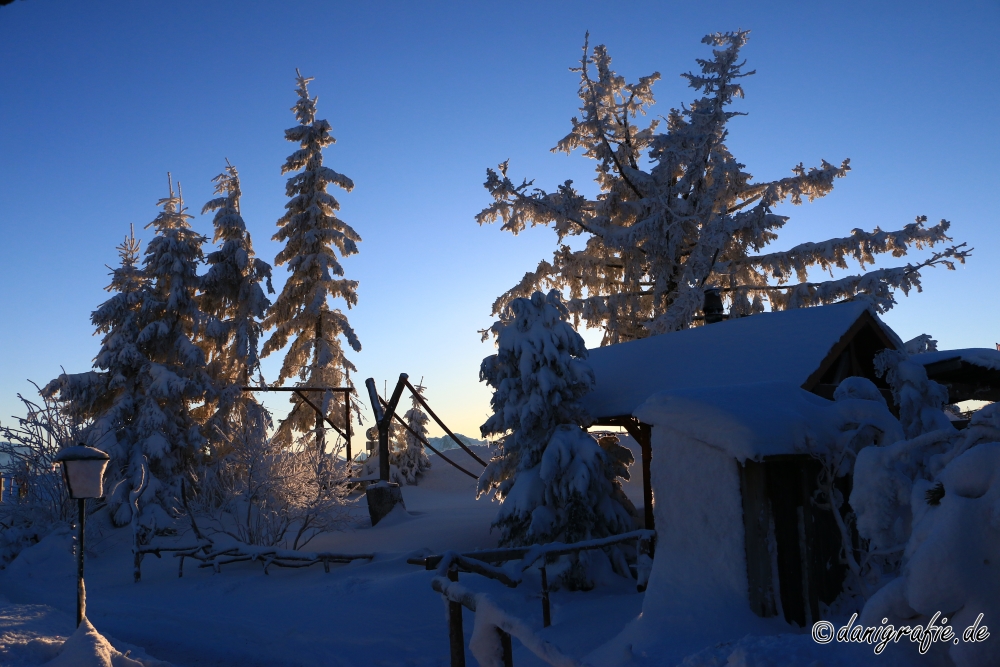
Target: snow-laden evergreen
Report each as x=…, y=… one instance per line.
x=553, y=480
x=176, y=390
x=112, y=394
x=411, y=460
x=657, y=237
x=231, y=288
x=313, y=235
x=150, y=395
x=233, y=296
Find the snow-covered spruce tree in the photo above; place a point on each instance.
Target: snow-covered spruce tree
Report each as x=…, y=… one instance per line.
x=176, y=391
x=657, y=237
x=302, y=314
x=232, y=294
x=411, y=460
x=150, y=387
x=553, y=480
x=110, y=394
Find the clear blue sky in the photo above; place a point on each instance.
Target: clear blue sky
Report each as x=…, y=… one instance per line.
x=98, y=100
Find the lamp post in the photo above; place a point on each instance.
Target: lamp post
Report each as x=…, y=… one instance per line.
x=83, y=469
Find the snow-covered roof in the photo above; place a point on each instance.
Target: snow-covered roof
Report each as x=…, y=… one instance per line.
x=786, y=346
x=983, y=357
x=763, y=419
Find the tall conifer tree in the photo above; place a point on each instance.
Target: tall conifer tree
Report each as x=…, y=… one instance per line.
x=313, y=235
x=233, y=296
x=151, y=386
x=110, y=395
x=177, y=390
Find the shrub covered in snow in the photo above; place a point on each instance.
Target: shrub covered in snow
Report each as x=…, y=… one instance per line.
x=951, y=557
x=35, y=499
x=921, y=401
x=263, y=493
x=553, y=480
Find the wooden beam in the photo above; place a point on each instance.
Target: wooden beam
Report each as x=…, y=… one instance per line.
x=643, y=435
x=833, y=356
x=349, y=390
x=420, y=399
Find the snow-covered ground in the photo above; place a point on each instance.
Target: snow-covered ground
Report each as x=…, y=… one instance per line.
x=379, y=613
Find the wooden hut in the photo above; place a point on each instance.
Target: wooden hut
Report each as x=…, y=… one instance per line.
x=789, y=548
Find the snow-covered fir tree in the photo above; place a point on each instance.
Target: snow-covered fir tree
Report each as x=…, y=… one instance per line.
x=313, y=235
x=111, y=394
x=553, y=480
x=177, y=391
x=657, y=236
x=233, y=296
x=411, y=460
x=151, y=387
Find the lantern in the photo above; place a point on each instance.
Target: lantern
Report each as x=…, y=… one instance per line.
x=83, y=470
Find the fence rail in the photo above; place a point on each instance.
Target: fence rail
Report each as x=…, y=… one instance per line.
x=449, y=564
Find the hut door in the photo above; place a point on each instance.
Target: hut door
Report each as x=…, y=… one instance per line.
x=788, y=536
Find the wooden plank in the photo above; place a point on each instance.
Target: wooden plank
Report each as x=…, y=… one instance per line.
x=785, y=497
x=756, y=520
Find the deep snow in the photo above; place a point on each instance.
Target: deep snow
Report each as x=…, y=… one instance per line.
x=379, y=613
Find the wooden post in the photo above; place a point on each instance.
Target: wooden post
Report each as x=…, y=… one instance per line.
x=647, y=488
x=81, y=595
x=508, y=650
x=347, y=426
x=644, y=563
x=320, y=436
x=546, y=611
x=643, y=435
x=456, y=637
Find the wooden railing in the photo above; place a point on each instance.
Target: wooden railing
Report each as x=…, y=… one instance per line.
x=483, y=563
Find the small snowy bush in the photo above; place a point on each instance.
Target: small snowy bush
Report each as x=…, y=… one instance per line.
x=264, y=493
x=37, y=501
x=951, y=557
x=921, y=401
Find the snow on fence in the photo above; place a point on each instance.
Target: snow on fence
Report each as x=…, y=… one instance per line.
x=214, y=557
x=490, y=642
x=210, y=555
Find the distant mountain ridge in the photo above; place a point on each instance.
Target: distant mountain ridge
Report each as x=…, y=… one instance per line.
x=441, y=443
